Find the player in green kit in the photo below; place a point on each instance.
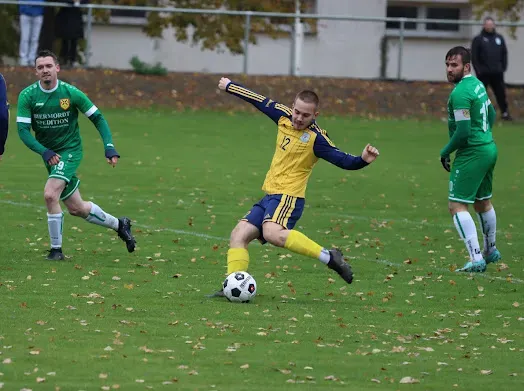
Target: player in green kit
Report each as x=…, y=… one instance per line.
x=50, y=107
x=470, y=119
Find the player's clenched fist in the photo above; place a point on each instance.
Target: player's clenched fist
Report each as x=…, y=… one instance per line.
x=222, y=84
x=370, y=153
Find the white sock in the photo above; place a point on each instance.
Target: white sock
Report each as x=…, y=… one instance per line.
x=488, y=222
x=55, y=223
x=468, y=232
x=99, y=217
x=325, y=256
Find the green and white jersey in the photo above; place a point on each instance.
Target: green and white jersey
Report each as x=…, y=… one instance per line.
x=53, y=114
x=469, y=102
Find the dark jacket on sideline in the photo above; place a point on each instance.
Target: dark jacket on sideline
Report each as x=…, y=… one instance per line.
x=489, y=53
x=68, y=22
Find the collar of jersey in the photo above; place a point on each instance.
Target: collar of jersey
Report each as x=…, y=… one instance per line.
x=470, y=75
x=48, y=91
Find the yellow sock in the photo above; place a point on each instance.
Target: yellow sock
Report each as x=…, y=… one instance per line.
x=301, y=244
x=237, y=260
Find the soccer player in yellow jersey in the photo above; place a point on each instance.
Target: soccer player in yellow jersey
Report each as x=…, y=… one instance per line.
x=300, y=143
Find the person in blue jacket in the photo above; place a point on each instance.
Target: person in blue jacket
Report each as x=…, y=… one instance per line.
x=31, y=18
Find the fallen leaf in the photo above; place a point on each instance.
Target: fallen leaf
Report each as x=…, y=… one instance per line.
x=245, y=366
x=409, y=380
x=486, y=372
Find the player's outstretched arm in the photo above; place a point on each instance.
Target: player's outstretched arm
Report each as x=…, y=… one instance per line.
x=92, y=112
x=325, y=149
x=272, y=109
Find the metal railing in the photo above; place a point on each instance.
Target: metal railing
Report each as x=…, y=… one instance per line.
x=248, y=15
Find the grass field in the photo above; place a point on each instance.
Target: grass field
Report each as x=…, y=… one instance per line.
x=106, y=319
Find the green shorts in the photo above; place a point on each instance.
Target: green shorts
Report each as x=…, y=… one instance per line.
x=66, y=170
x=471, y=176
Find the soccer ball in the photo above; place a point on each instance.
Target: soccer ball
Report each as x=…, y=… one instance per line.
x=240, y=287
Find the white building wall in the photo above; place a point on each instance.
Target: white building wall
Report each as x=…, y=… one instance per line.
x=339, y=49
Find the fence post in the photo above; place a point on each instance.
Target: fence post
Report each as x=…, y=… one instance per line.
x=293, y=50
x=247, y=30
x=400, y=47
x=295, y=32
x=89, y=28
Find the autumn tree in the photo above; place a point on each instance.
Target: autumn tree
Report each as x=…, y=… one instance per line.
x=509, y=10
x=208, y=31
x=501, y=9
x=212, y=31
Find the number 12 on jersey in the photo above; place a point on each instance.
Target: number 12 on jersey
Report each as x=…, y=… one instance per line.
x=285, y=142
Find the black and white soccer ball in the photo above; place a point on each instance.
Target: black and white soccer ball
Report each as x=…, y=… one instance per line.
x=240, y=287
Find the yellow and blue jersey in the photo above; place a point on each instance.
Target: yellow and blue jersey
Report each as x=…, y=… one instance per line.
x=4, y=114
x=296, y=151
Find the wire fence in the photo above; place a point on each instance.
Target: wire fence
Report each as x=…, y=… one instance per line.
x=296, y=34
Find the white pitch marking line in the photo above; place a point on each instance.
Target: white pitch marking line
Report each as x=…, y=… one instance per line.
x=209, y=237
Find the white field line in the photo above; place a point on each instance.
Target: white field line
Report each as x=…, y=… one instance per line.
x=211, y=237
x=379, y=220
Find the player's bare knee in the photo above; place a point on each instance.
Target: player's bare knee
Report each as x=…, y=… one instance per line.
x=456, y=207
x=482, y=206
x=239, y=236
x=74, y=211
x=274, y=234
x=78, y=209
x=51, y=196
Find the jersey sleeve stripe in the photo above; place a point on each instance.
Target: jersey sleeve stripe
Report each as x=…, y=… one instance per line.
x=247, y=93
x=283, y=108
x=24, y=120
x=462, y=115
x=91, y=111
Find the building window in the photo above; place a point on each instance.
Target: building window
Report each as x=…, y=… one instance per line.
x=442, y=13
x=415, y=10
x=120, y=13
x=399, y=11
